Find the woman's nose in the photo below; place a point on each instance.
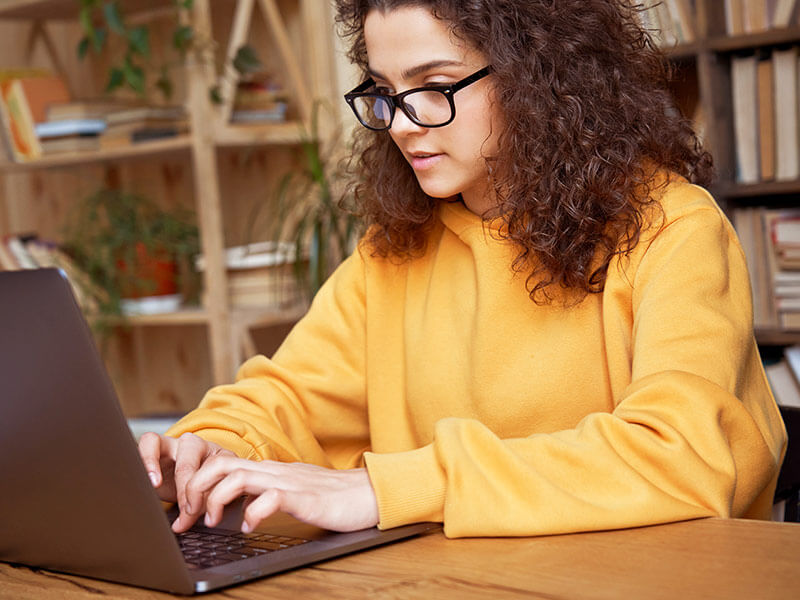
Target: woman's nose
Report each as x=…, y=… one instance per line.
x=403, y=125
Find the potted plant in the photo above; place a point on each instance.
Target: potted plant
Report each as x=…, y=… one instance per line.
x=314, y=210
x=130, y=248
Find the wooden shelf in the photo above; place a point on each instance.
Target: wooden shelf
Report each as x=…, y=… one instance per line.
x=754, y=190
x=143, y=149
x=254, y=135
x=252, y=317
x=234, y=135
x=60, y=10
x=777, y=337
x=772, y=37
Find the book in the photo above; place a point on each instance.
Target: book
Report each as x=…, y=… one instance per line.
x=755, y=16
x=783, y=383
x=17, y=246
x=17, y=123
x=751, y=231
x=48, y=254
x=88, y=109
x=784, y=13
x=143, y=113
x=787, y=127
x=682, y=16
x=734, y=17
x=52, y=129
x=23, y=103
x=744, y=79
x=7, y=260
x=792, y=356
x=274, y=115
x=766, y=118
x=41, y=92
x=70, y=143
x=668, y=34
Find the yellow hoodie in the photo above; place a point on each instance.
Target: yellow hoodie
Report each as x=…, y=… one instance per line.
x=471, y=405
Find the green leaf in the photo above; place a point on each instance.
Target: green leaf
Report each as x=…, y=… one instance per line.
x=113, y=18
x=164, y=84
x=187, y=4
x=100, y=36
x=115, y=79
x=134, y=76
x=182, y=38
x=139, y=40
x=215, y=95
x=85, y=19
x=247, y=61
x=83, y=47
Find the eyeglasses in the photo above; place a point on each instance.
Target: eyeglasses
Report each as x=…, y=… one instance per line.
x=431, y=106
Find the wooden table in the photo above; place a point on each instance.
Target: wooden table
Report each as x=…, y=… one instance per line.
x=708, y=558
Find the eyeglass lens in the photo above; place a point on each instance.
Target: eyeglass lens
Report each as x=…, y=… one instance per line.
x=425, y=107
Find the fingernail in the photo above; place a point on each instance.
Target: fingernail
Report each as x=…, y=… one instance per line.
x=187, y=508
x=207, y=520
x=246, y=527
x=153, y=478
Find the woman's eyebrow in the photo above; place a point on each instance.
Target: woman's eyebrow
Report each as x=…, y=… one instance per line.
x=416, y=70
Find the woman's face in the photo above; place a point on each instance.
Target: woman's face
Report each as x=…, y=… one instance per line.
x=408, y=48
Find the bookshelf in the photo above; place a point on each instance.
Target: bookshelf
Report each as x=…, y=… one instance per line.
x=201, y=165
x=746, y=176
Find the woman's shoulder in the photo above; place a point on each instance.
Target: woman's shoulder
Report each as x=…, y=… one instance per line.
x=678, y=198
x=678, y=201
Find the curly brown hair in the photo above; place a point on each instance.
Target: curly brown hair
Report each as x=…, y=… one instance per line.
x=589, y=124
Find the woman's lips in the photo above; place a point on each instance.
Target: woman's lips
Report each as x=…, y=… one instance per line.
x=422, y=161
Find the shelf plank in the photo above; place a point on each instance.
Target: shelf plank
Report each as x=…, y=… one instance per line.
x=250, y=317
x=777, y=337
x=771, y=37
x=754, y=190
x=179, y=143
x=53, y=10
x=287, y=133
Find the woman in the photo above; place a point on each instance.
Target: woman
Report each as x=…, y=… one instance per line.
x=547, y=327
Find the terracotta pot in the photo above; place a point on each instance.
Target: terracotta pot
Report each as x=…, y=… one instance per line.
x=152, y=274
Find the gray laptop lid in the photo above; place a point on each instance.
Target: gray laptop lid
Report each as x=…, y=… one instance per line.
x=75, y=496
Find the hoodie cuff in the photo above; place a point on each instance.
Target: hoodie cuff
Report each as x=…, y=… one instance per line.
x=225, y=438
x=409, y=486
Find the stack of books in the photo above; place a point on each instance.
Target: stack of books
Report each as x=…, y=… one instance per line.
x=123, y=123
x=771, y=241
x=259, y=101
x=260, y=275
x=38, y=117
x=29, y=252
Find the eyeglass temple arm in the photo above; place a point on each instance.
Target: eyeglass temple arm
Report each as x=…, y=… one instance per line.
x=472, y=78
x=362, y=88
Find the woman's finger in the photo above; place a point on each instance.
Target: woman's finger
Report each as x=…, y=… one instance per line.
x=150, y=445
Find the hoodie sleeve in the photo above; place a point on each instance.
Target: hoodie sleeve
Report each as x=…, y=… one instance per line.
x=308, y=403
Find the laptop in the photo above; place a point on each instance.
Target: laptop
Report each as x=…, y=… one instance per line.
x=75, y=496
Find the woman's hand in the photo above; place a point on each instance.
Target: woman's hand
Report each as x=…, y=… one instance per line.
x=340, y=500
x=203, y=478
x=172, y=462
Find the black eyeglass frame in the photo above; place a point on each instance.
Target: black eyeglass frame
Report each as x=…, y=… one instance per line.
x=396, y=101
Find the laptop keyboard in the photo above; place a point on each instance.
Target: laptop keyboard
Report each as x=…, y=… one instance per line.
x=203, y=549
